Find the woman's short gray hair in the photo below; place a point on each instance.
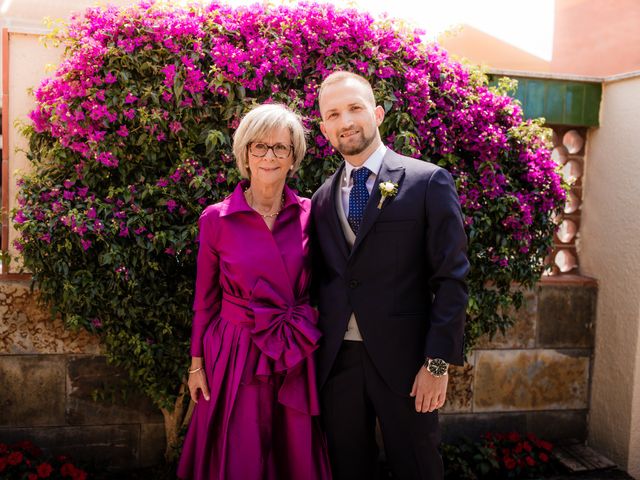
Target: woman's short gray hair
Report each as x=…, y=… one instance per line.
x=259, y=123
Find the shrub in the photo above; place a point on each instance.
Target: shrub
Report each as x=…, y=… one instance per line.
x=499, y=456
x=469, y=460
x=520, y=456
x=131, y=137
x=24, y=461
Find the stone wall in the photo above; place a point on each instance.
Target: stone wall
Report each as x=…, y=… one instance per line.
x=49, y=378
x=534, y=379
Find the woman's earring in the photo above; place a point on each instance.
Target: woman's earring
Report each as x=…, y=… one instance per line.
x=291, y=167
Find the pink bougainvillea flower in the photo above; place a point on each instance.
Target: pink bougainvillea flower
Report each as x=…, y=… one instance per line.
x=130, y=98
x=19, y=217
x=110, y=78
x=175, y=126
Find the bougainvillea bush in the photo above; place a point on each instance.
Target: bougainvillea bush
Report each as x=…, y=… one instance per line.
x=131, y=138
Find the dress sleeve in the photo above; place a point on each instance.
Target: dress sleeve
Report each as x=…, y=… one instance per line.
x=207, y=297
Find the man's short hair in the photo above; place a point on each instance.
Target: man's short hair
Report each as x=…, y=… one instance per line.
x=341, y=76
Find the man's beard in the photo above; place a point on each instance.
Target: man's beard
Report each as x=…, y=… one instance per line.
x=357, y=148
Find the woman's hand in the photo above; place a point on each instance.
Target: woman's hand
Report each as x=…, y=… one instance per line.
x=198, y=381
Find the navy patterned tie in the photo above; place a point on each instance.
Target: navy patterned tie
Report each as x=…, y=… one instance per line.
x=358, y=198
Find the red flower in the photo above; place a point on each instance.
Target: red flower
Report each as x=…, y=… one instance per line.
x=544, y=457
x=32, y=476
x=70, y=470
x=510, y=463
x=44, y=470
x=29, y=447
x=79, y=475
x=546, y=445
x=67, y=470
x=527, y=446
x=518, y=448
x=25, y=445
x=3, y=448
x=3, y=463
x=14, y=458
x=530, y=461
x=513, y=437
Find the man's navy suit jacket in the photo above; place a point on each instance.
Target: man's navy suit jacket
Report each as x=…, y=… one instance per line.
x=404, y=278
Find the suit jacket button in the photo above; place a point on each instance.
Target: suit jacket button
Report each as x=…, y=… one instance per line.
x=353, y=283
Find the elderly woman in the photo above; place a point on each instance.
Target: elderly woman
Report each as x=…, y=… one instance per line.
x=252, y=374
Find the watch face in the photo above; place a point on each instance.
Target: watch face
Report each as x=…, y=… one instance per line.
x=438, y=367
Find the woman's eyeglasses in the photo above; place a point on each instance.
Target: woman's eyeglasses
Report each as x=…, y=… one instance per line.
x=280, y=150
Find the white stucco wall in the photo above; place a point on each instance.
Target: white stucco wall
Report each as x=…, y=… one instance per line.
x=28, y=65
x=610, y=252
x=634, y=434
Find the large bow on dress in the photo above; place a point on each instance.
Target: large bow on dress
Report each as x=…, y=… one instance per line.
x=286, y=335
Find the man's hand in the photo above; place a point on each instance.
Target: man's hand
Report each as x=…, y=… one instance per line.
x=430, y=392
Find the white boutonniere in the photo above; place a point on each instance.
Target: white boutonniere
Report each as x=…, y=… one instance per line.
x=387, y=189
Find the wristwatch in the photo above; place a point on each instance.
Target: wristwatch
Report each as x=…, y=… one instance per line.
x=436, y=366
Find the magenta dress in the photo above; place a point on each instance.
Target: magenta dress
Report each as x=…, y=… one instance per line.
x=256, y=331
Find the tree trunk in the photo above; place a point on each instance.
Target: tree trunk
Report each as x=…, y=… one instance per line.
x=174, y=420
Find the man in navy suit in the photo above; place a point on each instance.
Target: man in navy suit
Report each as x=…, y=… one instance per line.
x=389, y=266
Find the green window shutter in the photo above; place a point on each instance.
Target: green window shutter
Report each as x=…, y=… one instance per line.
x=560, y=102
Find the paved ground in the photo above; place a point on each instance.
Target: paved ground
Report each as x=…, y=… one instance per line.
x=599, y=475
x=613, y=474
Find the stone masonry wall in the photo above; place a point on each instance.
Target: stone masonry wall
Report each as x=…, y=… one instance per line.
x=534, y=379
x=48, y=378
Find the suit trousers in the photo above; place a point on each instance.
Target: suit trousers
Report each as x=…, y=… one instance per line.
x=353, y=396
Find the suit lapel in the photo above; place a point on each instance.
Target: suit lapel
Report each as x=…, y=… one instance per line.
x=390, y=171
x=332, y=213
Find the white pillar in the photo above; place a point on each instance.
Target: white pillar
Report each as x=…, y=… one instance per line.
x=610, y=252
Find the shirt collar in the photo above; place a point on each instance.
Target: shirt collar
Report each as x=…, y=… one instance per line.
x=236, y=202
x=373, y=163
